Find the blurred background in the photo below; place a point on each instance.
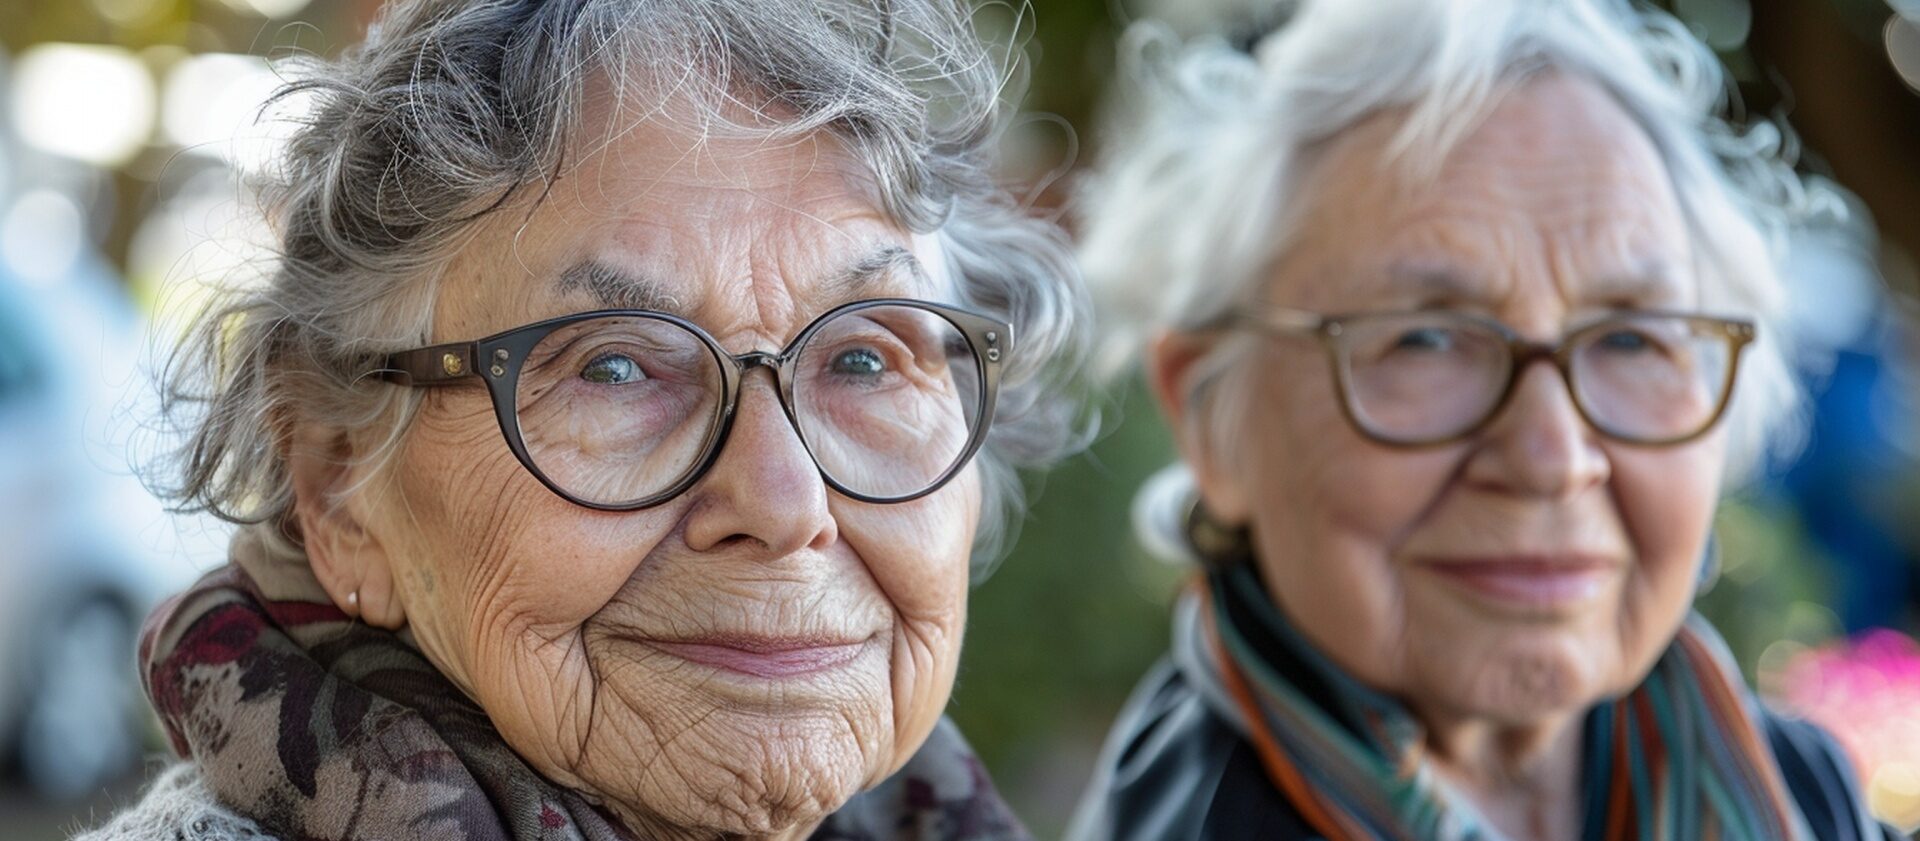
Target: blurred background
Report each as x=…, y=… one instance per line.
x=127, y=137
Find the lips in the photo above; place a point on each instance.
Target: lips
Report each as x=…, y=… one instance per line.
x=771, y=658
x=1529, y=582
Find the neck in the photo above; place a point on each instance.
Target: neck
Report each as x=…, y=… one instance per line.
x=1524, y=778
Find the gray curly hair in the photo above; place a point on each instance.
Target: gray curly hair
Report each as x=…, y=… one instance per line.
x=451, y=108
x=1200, y=188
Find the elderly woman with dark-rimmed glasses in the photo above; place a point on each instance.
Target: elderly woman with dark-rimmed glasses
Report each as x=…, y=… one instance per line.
x=1462, y=313
x=614, y=435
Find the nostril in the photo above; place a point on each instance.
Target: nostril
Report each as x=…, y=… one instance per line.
x=742, y=540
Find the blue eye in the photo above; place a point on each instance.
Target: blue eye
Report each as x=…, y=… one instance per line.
x=612, y=369
x=859, y=362
x=1425, y=338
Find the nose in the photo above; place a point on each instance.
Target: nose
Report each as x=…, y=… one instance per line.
x=1539, y=444
x=764, y=488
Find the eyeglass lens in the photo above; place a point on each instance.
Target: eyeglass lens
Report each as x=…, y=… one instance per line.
x=887, y=398
x=618, y=409
x=1422, y=377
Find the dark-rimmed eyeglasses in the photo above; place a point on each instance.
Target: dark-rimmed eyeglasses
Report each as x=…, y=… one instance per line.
x=625, y=409
x=1423, y=378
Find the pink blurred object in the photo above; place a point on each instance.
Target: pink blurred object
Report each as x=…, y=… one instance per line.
x=1866, y=692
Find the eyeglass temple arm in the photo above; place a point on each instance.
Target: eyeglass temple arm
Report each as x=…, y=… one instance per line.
x=428, y=366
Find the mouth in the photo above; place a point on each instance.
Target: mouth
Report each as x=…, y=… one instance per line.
x=1535, y=582
x=765, y=657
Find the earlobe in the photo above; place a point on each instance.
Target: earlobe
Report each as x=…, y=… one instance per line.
x=348, y=559
x=1174, y=361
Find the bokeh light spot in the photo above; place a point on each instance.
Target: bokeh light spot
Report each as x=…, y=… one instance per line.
x=42, y=236
x=91, y=103
x=1903, y=48
x=212, y=106
x=266, y=8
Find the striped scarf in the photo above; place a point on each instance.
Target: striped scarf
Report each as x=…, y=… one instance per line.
x=1680, y=757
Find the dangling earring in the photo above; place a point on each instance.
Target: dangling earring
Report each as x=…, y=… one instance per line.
x=1218, y=546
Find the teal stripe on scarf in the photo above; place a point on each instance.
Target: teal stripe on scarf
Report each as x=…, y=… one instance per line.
x=1643, y=796
x=1598, y=770
x=1682, y=765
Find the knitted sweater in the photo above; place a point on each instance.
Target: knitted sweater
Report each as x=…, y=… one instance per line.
x=176, y=807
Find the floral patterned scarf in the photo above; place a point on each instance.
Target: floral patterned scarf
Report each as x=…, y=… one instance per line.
x=319, y=727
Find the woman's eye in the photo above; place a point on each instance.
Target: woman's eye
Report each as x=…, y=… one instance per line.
x=858, y=362
x=1625, y=340
x=1426, y=338
x=612, y=369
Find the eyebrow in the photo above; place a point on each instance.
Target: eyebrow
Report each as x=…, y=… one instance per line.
x=1435, y=284
x=617, y=288
x=869, y=274
x=1649, y=281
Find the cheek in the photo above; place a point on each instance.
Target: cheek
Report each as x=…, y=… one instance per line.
x=1666, y=500
x=1344, y=511
x=492, y=556
x=1332, y=508
x=918, y=551
x=1327, y=503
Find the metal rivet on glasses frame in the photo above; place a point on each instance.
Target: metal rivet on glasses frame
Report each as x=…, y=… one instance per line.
x=992, y=337
x=993, y=354
x=497, y=371
x=500, y=354
x=451, y=364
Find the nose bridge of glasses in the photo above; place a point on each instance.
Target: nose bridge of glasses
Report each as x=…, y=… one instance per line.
x=757, y=359
x=1525, y=353
x=1559, y=358
x=774, y=364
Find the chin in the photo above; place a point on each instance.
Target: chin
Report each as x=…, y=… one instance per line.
x=734, y=773
x=1521, y=679
x=685, y=750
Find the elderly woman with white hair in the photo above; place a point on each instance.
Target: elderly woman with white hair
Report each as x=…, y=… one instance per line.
x=1461, y=315
x=604, y=434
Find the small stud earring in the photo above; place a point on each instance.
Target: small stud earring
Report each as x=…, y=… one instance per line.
x=353, y=603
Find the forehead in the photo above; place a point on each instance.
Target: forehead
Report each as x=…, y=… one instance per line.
x=1557, y=191
x=738, y=233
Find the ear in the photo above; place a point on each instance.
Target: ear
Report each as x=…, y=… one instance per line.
x=348, y=558
x=1174, y=364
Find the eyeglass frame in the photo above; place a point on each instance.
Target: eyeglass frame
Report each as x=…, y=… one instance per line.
x=990, y=339
x=1331, y=329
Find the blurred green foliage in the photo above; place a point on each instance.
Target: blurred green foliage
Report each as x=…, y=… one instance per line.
x=1069, y=621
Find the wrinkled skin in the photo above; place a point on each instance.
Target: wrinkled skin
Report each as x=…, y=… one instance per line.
x=547, y=613
x=1554, y=210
